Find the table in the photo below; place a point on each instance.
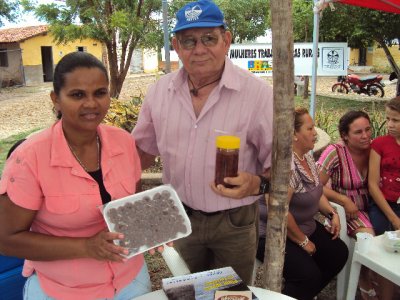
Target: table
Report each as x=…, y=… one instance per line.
x=262, y=294
x=384, y=263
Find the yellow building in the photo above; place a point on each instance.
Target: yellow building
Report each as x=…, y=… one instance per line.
x=28, y=55
x=374, y=57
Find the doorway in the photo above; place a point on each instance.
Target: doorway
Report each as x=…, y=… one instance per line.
x=362, y=61
x=47, y=63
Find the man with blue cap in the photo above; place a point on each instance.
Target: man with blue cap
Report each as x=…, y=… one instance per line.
x=181, y=117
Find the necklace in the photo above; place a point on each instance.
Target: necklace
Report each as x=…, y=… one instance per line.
x=79, y=161
x=195, y=91
x=298, y=157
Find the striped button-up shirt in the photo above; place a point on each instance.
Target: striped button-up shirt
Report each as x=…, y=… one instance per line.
x=240, y=105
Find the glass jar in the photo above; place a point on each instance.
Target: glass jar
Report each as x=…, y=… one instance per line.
x=227, y=158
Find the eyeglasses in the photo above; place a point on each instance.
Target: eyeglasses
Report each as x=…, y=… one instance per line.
x=208, y=40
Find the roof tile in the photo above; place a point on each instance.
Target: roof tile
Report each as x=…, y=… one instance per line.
x=12, y=35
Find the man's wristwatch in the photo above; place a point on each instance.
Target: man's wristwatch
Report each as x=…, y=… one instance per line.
x=264, y=185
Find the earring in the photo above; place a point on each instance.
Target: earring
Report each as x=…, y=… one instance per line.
x=57, y=113
x=296, y=139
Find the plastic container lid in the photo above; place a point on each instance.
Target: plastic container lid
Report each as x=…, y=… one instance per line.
x=227, y=142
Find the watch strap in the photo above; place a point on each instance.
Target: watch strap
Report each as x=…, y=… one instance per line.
x=264, y=185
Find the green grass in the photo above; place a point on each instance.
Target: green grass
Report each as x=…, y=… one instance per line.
x=329, y=110
x=341, y=105
x=7, y=143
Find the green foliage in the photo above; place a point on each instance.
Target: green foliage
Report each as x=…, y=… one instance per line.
x=102, y=20
x=329, y=110
x=382, y=69
x=378, y=122
x=246, y=19
x=360, y=27
x=303, y=18
x=123, y=114
x=327, y=121
x=8, y=10
x=120, y=24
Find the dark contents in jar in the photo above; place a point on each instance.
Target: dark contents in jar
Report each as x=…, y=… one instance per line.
x=226, y=165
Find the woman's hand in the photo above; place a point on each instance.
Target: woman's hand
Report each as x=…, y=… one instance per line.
x=335, y=226
x=310, y=248
x=101, y=246
x=350, y=208
x=396, y=223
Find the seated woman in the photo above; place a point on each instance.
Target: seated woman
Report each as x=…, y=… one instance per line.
x=345, y=164
x=53, y=185
x=384, y=181
x=314, y=254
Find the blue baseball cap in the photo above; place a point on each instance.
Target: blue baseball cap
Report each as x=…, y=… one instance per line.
x=203, y=13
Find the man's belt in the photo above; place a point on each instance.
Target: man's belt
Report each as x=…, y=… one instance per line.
x=190, y=211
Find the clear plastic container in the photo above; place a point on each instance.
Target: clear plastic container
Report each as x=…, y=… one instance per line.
x=148, y=219
x=391, y=241
x=227, y=158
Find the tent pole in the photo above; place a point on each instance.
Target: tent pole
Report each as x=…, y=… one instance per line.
x=315, y=60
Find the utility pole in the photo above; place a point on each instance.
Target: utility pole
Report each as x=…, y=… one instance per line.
x=166, y=36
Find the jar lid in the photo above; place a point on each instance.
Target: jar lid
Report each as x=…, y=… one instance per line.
x=228, y=142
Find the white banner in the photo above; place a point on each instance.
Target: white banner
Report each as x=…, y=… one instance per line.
x=333, y=58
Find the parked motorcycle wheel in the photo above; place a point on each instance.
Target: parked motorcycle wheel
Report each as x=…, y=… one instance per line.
x=375, y=90
x=340, y=88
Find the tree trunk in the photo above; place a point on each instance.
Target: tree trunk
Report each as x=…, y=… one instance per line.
x=306, y=84
x=392, y=63
x=398, y=85
x=118, y=72
x=283, y=79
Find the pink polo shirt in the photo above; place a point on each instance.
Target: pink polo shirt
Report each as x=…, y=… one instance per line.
x=240, y=105
x=43, y=175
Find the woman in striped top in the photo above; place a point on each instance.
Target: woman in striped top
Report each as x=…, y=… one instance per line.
x=345, y=165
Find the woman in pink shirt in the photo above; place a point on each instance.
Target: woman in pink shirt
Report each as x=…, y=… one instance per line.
x=53, y=186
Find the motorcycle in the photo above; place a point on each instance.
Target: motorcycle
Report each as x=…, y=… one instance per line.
x=371, y=85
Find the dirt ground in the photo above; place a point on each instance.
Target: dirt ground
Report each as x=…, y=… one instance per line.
x=30, y=107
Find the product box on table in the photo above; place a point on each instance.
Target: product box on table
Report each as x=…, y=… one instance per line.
x=203, y=285
x=148, y=219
